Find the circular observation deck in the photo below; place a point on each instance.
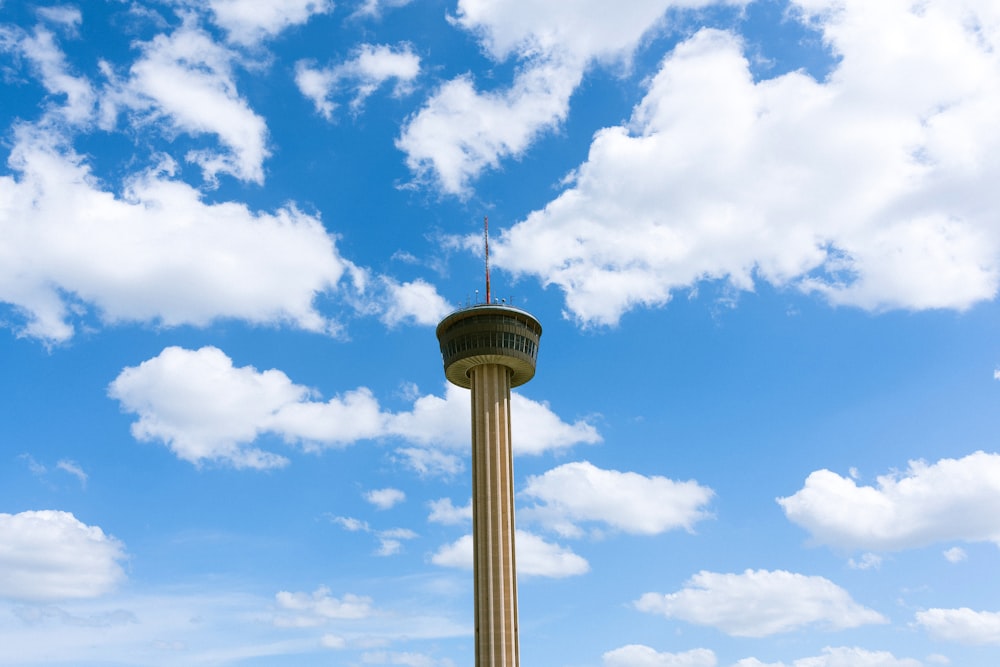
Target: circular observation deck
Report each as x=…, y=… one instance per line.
x=489, y=334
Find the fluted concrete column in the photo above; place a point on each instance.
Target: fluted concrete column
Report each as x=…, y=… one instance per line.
x=493, y=518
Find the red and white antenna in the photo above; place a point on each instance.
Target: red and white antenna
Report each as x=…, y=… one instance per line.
x=486, y=243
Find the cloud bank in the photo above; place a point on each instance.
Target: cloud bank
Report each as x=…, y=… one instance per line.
x=924, y=504
x=862, y=188
x=782, y=602
x=49, y=555
x=205, y=409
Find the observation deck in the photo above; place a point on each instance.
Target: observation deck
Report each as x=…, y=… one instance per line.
x=489, y=333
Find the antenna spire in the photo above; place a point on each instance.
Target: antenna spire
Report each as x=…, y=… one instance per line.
x=486, y=244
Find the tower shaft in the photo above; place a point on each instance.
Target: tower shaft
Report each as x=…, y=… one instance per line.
x=493, y=518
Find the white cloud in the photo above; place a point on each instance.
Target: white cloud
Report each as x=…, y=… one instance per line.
x=73, y=468
x=371, y=66
x=871, y=187
x=49, y=61
x=351, y=524
x=535, y=557
x=869, y=561
x=637, y=655
x=417, y=302
x=460, y=131
x=964, y=625
x=923, y=505
x=955, y=555
x=538, y=558
x=385, y=498
x=157, y=253
x=251, y=21
x=841, y=657
x=580, y=492
x=51, y=555
x=66, y=16
x=34, y=466
x=577, y=27
x=374, y=8
x=390, y=541
x=430, y=462
x=445, y=423
x=439, y=422
x=782, y=602
x=457, y=554
x=185, y=81
x=207, y=410
x=306, y=610
x=204, y=409
x=536, y=429
x=443, y=511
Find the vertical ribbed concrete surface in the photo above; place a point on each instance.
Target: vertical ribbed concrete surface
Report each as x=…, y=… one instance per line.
x=493, y=518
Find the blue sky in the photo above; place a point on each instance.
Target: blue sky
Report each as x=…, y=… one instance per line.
x=762, y=241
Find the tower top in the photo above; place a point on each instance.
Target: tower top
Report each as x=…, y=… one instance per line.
x=489, y=334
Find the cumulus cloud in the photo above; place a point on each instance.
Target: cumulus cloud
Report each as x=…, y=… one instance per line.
x=575, y=27
x=840, y=657
x=385, y=498
x=461, y=131
x=443, y=511
x=964, y=625
x=782, y=602
x=538, y=429
x=251, y=21
x=535, y=557
x=922, y=505
x=156, y=253
x=417, y=302
x=872, y=187
x=637, y=655
x=955, y=555
x=371, y=66
x=49, y=555
x=185, y=81
x=429, y=462
x=445, y=422
x=580, y=492
x=307, y=610
x=205, y=409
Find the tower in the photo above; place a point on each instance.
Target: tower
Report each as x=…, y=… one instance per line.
x=490, y=348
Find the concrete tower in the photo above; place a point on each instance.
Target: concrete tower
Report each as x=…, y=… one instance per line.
x=490, y=348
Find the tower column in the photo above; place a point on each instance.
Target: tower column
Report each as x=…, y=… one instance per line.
x=493, y=518
x=490, y=348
